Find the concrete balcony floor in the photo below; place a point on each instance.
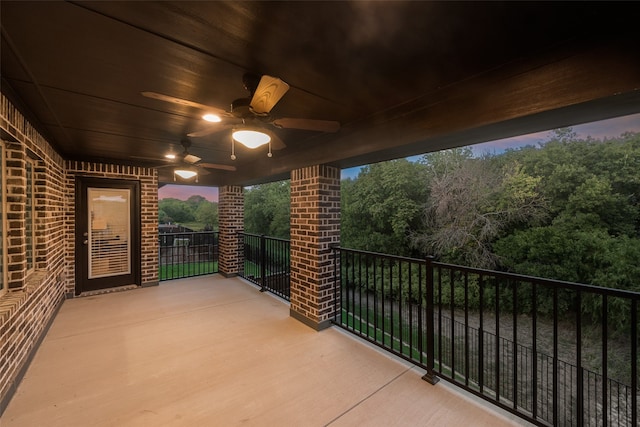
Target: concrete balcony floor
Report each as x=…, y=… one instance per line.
x=211, y=351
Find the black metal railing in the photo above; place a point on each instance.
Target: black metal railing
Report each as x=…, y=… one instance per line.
x=522, y=343
x=187, y=254
x=265, y=261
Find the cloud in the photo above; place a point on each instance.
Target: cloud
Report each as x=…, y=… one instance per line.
x=602, y=129
x=501, y=145
x=609, y=128
x=183, y=192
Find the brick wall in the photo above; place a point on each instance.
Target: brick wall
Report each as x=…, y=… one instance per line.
x=315, y=226
x=34, y=297
x=230, y=223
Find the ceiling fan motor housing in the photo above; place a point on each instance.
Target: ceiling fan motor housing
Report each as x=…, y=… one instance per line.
x=251, y=82
x=240, y=107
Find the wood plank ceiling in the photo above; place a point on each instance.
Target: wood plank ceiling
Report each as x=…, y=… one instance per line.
x=402, y=78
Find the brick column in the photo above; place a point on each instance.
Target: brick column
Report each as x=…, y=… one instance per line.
x=315, y=226
x=230, y=222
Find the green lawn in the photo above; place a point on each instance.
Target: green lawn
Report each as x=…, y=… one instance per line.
x=177, y=271
x=388, y=333
x=253, y=269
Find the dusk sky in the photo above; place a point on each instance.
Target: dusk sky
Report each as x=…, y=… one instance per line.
x=183, y=192
x=602, y=129
x=599, y=130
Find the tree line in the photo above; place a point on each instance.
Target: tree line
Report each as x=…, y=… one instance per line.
x=566, y=209
x=196, y=212
x=266, y=209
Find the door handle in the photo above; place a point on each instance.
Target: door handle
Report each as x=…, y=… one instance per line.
x=85, y=242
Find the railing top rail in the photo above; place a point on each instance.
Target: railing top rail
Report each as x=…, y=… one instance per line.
x=179, y=233
x=379, y=254
x=512, y=276
x=242, y=233
x=542, y=281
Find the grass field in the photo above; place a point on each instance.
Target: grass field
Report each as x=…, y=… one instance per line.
x=177, y=271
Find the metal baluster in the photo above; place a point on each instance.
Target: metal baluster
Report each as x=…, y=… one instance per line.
x=634, y=362
x=605, y=375
x=579, y=373
x=430, y=376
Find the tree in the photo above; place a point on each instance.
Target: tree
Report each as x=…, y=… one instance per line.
x=196, y=209
x=564, y=252
x=207, y=214
x=443, y=162
x=175, y=210
x=589, y=179
x=383, y=206
x=267, y=209
x=163, y=217
x=594, y=223
x=195, y=201
x=472, y=202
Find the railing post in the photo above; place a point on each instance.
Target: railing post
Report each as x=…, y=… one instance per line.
x=579, y=369
x=634, y=361
x=239, y=253
x=263, y=263
x=336, y=283
x=430, y=376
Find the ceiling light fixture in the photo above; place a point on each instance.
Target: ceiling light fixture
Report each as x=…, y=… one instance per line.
x=185, y=173
x=170, y=156
x=251, y=138
x=213, y=118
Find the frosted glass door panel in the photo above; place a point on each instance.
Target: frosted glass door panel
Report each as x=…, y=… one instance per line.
x=109, y=232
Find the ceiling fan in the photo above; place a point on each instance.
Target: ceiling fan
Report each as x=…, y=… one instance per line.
x=252, y=112
x=187, y=165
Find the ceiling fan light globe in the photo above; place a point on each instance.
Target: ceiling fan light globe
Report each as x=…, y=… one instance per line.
x=213, y=118
x=251, y=138
x=185, y=173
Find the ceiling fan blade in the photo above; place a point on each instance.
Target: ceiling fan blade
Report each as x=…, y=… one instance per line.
x=167, y=98
x=190, y=158
x=217, y=166
x=276, y=142
x=307, y=124
x=269, y=91
x=202, y=171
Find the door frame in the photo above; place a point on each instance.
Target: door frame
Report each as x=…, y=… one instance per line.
x=82, y=183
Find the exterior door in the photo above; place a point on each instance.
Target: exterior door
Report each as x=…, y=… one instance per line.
x=107, y=233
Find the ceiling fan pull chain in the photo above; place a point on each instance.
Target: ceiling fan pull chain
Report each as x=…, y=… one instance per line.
x=269, y=153
x=233, y=150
